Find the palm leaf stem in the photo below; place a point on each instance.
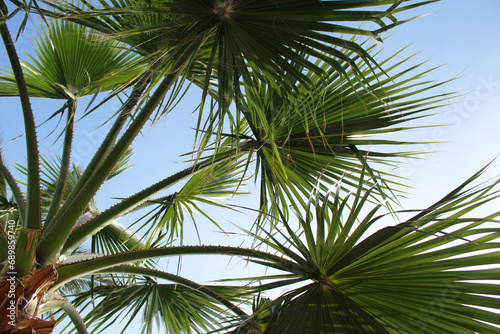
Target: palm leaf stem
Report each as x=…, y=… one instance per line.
x=16, y=192
x=85, y=231
x=65, y=163
x=4, y=244
x=24, y=251
x=177, y=279
x=131, y=103
x=72, y=271
x=32, y=219
x=110, y=139
x=25, y=244
x=85, y=190
x=70, y=310
x=3, y=186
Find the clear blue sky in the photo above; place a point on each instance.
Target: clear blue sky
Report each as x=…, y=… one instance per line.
x=464, y=38
x=459, y=34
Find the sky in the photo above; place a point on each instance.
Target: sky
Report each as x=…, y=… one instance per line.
x=459, y=35
x=464, y=39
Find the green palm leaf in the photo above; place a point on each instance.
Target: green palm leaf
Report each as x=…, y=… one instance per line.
x=418, y=276
x=158, y=26
x=243, y=38
x=164, y=222
x=330, y=130
x=175, y=307
x=73, y=61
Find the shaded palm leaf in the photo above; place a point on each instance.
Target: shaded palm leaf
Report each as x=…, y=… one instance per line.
x=263, y=33
x=240, y=38
x=327, y=132
x=418, y=276
x=176, y=308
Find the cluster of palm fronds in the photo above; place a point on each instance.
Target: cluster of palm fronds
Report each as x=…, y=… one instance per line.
x=291, y=96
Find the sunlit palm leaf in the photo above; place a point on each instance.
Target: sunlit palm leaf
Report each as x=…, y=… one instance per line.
x=73, y=61
x=165, y=221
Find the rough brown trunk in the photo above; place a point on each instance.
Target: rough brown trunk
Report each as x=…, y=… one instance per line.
x=16, y=294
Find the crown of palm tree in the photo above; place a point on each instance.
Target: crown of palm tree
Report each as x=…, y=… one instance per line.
x=308, y=100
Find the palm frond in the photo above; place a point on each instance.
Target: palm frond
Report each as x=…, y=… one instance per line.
x=328, y=132
x=424, y=275
x=244, y=39
x=177, y=308
x=73, y=61
x=165, y=221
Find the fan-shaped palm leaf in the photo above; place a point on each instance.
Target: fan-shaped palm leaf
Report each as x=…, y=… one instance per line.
x=73, y=61
x=328, y=131
x=263, y=33
x=419, y=276
x=242, y=38
x=208, y=187
x=176, y=307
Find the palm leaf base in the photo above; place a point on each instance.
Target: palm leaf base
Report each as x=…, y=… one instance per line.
x=22, y=297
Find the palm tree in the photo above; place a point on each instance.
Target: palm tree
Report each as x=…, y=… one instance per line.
x=280, y=91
